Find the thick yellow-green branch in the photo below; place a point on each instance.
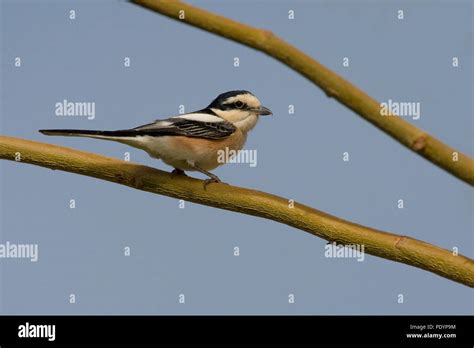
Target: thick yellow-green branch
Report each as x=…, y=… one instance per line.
x=386, y=245
x=451, y=160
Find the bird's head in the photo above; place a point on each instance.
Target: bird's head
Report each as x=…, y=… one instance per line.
x=241, y=108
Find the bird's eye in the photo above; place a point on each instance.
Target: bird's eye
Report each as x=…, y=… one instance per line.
x=238, y=104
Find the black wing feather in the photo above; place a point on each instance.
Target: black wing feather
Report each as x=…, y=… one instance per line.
x=189, y=128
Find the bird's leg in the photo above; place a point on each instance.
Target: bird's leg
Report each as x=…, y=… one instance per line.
x=212, y=177
x=177, y=171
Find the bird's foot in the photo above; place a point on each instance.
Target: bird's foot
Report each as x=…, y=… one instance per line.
x=177, y=171
x=211, y=180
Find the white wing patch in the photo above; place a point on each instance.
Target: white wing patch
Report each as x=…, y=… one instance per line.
x=200, y=117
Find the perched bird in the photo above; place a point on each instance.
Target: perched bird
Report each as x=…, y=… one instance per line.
x=190, y=142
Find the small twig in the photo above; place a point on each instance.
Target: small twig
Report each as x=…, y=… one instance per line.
x=382, y=244
x=451, y=160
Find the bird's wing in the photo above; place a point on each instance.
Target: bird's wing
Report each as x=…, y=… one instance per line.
x=197, y=125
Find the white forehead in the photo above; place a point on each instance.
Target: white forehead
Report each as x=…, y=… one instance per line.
x=248, y=99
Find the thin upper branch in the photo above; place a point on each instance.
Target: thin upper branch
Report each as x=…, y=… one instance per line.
x=386, y=245
x=419, y=141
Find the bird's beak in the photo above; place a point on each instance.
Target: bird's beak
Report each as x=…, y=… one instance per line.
x=263, y=111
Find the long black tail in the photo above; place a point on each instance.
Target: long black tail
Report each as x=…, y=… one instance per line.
x=89, y=133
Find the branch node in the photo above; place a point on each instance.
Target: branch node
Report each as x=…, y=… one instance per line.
x=331, y=93
x=419, y=143
x=267, y=35
x=399, y=241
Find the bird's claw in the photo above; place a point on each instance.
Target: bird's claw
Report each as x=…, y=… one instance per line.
x=177, y=171
x=212, y=180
